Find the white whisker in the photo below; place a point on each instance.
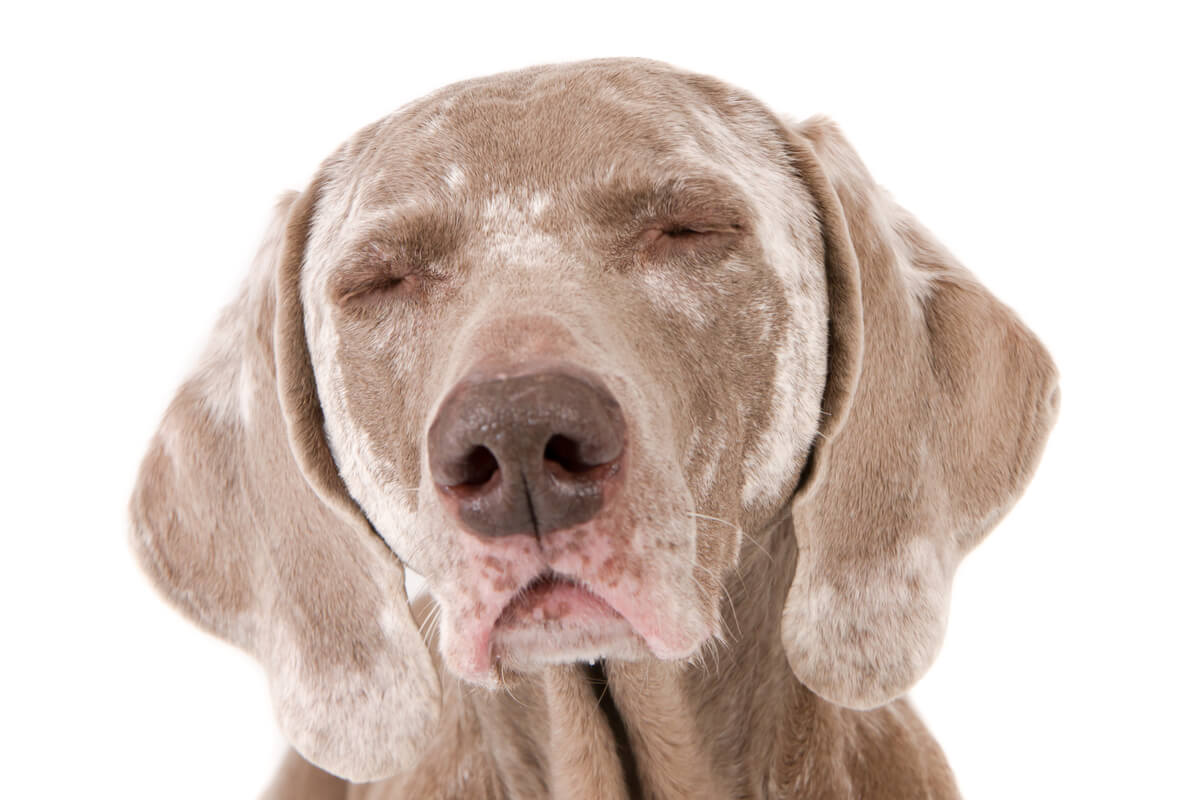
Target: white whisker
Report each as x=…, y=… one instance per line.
x=737, y=528
x=714, y=519
x=728, y=596
x=757, y=544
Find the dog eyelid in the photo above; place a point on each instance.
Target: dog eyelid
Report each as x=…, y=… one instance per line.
x=383, y=284
x=664, y=240
x=373, y=270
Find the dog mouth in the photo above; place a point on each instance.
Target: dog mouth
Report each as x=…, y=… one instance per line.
x=552, y=597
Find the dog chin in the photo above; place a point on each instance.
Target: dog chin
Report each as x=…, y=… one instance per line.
x=556, y=620
x=529, y=648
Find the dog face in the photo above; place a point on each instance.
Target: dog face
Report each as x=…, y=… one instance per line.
x=490, y=278
x=558, y=340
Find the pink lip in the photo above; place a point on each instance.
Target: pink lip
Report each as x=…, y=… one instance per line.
x=557, y=618
x=551, y=597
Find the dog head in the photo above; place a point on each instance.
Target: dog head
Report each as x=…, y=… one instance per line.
x=555, y=339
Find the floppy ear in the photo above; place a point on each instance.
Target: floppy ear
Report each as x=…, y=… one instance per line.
x=241, y=519
x=937, y=405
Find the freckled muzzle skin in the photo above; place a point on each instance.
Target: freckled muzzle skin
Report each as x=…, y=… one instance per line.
x=707, y=353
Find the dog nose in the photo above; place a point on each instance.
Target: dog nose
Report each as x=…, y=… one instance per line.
x=527, y=454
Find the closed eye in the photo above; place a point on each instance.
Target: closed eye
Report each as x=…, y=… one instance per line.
x=683, y=232
x=672, y=239
x=381, y=286
x=396, y=259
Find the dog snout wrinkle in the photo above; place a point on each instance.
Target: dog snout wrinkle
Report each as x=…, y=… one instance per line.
x=527, y=454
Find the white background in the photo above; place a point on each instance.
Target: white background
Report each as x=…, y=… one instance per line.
x=1052, y=147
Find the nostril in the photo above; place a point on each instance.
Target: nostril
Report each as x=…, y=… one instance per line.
x=568, y=454
x=478, y=467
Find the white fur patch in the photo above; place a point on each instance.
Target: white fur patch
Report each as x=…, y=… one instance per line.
x=799, y=350
x=222, y=372
x=454, y=177
x=508, y=223
x=538, y=203
x=670, y=294
x=790, y=241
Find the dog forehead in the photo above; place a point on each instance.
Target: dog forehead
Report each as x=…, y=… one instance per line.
x=545, y=134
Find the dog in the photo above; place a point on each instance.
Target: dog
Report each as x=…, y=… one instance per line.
x=684, y=421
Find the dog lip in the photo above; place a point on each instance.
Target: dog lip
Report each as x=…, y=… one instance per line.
x=551, y=595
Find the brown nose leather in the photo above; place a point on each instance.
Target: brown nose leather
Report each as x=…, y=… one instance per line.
x=528, y=454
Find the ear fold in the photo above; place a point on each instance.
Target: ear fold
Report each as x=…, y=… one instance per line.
x=937, y=404
x=240, y=518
